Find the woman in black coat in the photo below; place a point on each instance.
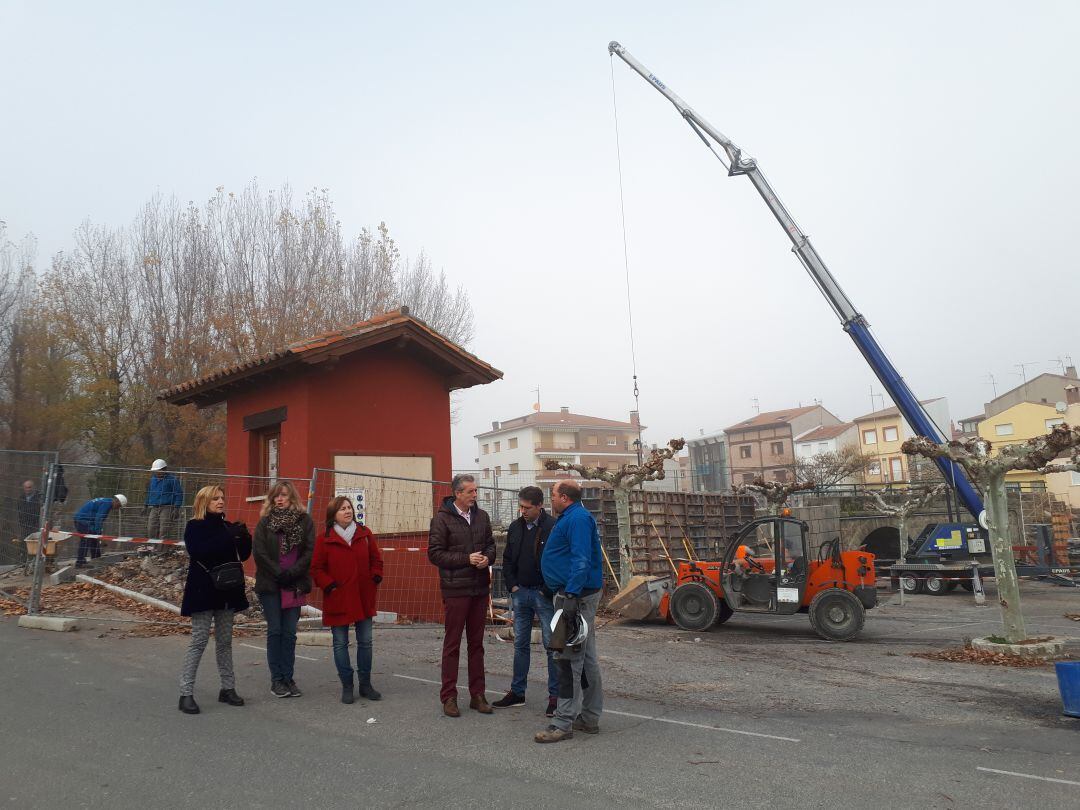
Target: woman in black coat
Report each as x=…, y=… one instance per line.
x=211, y=541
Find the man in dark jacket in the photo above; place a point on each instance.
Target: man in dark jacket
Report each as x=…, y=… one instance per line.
x=461, y=545
x=525, y=539
x=29, y=511
x=574, y=570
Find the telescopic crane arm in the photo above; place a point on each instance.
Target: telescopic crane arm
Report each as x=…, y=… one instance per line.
x=739, y=163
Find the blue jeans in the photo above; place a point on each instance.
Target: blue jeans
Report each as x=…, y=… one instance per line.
x=280, y=636
x=529, y=602
x=363, y=651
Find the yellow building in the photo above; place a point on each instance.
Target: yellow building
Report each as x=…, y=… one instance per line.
x=882, y=434
x=1066, y=486
x=1016, y=425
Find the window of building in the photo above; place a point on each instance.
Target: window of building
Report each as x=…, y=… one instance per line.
x=513, y=469
x=487, y=472
x=612, y=441
x=822, y=447
x=594, y=440
x=744, y=451
x=511, y=444
x=747, y=478
x=869, y=437
x=805, y=447
x=498, y=471
x=483, y=449
x=874, y=468
x=778, y=448
x=1038, y=486
x=896, y=471
x=498, y=446
x=889, y=434
x=1074, y=479
x=780, y=475
x=1056, y=421
x=1004, y=429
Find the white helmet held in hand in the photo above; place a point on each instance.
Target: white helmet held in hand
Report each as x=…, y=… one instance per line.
x=575, y=634
x=159, y=464
x=122, y=499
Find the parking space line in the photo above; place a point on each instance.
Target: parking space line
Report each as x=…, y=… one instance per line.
x=1030, y=776
x=653, y=718
x=255, y=647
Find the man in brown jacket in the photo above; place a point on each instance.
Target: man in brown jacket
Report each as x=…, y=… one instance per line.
x=461, y=545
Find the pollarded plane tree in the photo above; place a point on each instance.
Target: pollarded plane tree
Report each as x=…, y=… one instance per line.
x=1057, y=451
x=623, y=479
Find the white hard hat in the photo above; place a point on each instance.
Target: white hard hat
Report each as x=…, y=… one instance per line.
x=122, y=499
x=159, y=464
x=574, y=635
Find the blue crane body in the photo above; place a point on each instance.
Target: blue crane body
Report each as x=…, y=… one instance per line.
x=853, y=322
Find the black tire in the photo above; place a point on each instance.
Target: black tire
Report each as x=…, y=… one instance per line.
x=725, y=612
x=911, y=583
x=934, y=585
x=968, y=585
x=694, y=606
x=837, y=615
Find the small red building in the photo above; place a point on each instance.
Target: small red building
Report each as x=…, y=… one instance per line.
x=372, y=401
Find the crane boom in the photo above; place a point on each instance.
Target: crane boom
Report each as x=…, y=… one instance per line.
x=739, y=163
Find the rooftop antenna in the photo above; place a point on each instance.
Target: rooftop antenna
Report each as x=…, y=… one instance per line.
x=756, y=405
x=993, y=383
x=1023, y=369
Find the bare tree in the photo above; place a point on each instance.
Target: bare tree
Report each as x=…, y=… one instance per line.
x=774, y=493
x=974, y=455
x=622, y=480
x=912, y=502
x=832, y=468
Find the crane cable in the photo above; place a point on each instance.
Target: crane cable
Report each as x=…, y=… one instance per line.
x=626, y=254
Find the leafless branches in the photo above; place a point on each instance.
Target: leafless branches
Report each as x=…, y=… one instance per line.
x=627, y=476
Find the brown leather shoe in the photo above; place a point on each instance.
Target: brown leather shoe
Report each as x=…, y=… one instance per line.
x=450, y=708
x=581, y=725
x=479, y=702
x=553, y=734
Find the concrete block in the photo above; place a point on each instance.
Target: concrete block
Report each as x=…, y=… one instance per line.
x=48, y=623
x=1049, y=649
x=314, y=638
x=65, y=574
x=385, y=617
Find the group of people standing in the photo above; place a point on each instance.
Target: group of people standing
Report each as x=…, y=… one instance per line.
x=343, y=560
x=552, y=568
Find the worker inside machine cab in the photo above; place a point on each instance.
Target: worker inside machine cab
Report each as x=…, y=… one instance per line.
x=794, y=561
x=739, y=562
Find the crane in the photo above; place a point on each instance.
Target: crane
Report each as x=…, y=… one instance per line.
x=854, y=323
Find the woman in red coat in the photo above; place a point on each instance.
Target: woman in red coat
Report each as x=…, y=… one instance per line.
x=348, y=567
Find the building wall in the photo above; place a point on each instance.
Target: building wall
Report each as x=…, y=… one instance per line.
x=503, y=459
x=762, y=461
x=1046, y=388
x=708, y=464
x=1025, y=421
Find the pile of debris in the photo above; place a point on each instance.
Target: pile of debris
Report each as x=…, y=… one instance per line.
x=969, y=655
x=162, y=576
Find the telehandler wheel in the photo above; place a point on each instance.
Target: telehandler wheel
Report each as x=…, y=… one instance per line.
x=837, y=615
x=694, y=606
x=911, y=583
x=934, y=585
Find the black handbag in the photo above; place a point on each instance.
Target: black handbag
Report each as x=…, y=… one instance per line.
x=227, y=576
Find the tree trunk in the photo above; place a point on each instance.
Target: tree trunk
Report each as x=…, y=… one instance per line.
x=1008, y=586
x=903, y=540
x=622, y=513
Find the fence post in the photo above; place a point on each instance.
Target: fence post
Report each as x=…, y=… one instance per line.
x=311, y=488
x=34, y=605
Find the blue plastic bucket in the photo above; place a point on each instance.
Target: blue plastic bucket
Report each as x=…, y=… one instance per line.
x=1068, y=678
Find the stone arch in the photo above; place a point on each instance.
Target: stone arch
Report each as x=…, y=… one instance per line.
x=883, y=542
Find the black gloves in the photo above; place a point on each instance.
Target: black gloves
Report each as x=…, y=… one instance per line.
x=376, y=579
x=329, y=589
x=570, y=607
x=285, y=579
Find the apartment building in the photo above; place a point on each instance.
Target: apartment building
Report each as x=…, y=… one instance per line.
x=882, y=433
x=764, y=445
x=521, y=445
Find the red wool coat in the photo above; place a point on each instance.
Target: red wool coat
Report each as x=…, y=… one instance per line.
x=353, y=569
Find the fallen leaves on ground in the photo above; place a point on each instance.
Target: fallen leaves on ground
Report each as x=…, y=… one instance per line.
x=969, y=655
x=1074, y=616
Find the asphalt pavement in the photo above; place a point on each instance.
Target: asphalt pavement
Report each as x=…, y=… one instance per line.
x=757, y=714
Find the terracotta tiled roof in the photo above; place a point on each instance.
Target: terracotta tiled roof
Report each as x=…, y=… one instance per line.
x=893, y=411
x=771, y=418
x=559, y=419
x=207, y=389
x=826, y=432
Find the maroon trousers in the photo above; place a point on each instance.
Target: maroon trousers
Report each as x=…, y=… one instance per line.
x=466, y=613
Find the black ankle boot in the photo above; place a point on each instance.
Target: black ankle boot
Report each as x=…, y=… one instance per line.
x=229, y=696
x=347, y=690
x=188, y=705
x=367, y=691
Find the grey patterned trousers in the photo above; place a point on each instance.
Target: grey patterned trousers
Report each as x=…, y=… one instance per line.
x=200, y=636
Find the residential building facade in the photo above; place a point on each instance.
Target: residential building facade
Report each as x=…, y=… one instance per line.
x=1066, y=486
x=1046, y=389
x=882, y=433
x=1015, y=425
x=764, y=445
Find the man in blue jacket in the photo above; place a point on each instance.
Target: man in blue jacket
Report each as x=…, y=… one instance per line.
x=164, y=497
x=572, y=565
x=89, y=520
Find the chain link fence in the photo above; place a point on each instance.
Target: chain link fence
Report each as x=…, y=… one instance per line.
x=23, y=479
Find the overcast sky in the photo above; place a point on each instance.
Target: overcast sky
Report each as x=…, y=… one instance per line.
x=931, y=151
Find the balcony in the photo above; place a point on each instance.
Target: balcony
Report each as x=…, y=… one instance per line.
x=554, y=447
